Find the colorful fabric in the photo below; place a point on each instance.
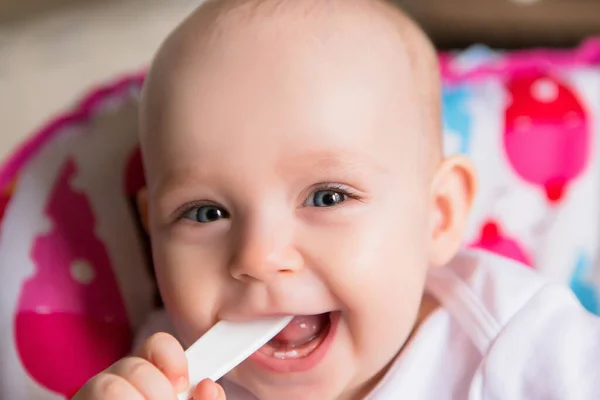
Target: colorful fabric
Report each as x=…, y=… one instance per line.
x=75, y=272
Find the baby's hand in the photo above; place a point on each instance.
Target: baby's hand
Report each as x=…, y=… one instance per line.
x=158, y=372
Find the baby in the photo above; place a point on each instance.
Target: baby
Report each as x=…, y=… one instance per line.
x=294, y=166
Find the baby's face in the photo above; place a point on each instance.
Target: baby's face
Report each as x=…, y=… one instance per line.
x=293, y=180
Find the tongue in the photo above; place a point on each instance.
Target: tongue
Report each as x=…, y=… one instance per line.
x=302, y=329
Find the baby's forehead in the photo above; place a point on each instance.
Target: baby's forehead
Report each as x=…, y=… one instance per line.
x=227, y=93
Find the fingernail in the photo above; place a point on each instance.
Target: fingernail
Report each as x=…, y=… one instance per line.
x=181, y=384
x=215, y=391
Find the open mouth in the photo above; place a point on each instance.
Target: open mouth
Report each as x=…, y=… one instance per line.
x=301, y=345
x=300, y=338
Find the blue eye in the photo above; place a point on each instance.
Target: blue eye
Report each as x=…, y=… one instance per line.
x=206, y=214
x=326, y=198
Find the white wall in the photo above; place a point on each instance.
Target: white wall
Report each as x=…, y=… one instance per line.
x=47, y=62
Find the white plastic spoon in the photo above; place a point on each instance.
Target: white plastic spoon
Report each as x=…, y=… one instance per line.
x=225, y=346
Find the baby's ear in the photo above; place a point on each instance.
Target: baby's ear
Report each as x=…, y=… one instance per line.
x=142, y=205
x=452, y=192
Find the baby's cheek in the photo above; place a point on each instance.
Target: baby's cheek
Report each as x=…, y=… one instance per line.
x=189, y=287
x=382, y=287
x=191, y=314
x=377, y=258
x=387, y=316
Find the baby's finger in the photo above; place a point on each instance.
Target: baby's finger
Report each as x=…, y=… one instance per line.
x=145, y=377
x=165, y=352
x=107, y=386
x=208, y=390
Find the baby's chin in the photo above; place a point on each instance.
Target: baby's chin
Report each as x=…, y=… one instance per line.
x=241, y=388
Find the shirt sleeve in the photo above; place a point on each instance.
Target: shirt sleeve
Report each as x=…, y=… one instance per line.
x=549, y=350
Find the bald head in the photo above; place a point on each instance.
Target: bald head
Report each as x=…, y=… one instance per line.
x=204, y=36
x=371, y=39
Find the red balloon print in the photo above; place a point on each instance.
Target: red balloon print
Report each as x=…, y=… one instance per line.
x=494, y=240
x=547, y=133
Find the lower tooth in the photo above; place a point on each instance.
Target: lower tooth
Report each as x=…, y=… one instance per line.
x=282, y=355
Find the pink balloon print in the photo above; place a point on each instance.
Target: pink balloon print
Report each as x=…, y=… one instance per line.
x=71, y=322
x=547, y=133
x=494, y=240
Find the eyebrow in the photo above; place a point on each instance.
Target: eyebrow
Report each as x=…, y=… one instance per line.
x=174, y=182
x=334, y=160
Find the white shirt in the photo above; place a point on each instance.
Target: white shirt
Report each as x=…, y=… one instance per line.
x=501, y=332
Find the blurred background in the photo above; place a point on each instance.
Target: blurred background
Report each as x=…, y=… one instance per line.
x=51, y=51
x=70, y=206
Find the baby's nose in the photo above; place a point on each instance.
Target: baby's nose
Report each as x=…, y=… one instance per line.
x=262, y=254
